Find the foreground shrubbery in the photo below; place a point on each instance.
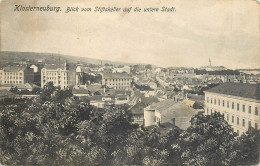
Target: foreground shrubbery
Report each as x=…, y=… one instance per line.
x=44, y=131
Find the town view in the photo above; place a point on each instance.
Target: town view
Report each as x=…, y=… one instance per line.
x=59, y=110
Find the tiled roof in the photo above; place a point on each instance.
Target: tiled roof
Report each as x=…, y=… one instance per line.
x=53, y=66
x=163, y=105
x=119, y=91
x=149, y=100
x=14, y=68
x=251, y=91
x=116, y=75
x=138, y=108
x=21, y=86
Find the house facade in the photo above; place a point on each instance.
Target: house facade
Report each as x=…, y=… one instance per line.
x=239, y=103
x=60, y=75
x=117, y=80
x=16, y=75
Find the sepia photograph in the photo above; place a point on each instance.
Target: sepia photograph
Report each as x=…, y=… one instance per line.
x=132, y=82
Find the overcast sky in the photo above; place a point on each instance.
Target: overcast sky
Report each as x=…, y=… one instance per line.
x=227, y=31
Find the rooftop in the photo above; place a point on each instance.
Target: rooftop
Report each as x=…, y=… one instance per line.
x=116, y=75
x=20, y=86
x=14, y=68
x=251, y=91
x=163, y=105
x=138, y=108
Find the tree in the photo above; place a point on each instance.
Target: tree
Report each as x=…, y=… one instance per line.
x=14, y=89
x=148, y=67
x=73, y=132
x=47, y=91
x=249, y=147
x=209, y=140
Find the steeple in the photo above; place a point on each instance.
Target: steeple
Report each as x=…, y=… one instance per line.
x=66, y=65
x=209, y=62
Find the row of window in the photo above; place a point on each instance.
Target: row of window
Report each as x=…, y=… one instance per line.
x=120, y=84
x=117, y=79
x=243, y=122
x=120, y=87
x=12, y=73
x=53, y=73
x=12, y=82
x=54, y=78
x=232, y=105
x=12, y=77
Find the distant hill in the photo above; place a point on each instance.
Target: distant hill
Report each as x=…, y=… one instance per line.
x=33, y=57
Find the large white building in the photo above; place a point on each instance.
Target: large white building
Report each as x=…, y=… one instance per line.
x=117, y=80
x=239, y=103
x=16, y=75
x=60, y=75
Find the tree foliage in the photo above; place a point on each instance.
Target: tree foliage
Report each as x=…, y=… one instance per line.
x=64, y=130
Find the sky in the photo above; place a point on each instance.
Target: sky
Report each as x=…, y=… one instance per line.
x=226, y=31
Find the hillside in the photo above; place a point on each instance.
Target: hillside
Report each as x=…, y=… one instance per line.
x=33, y=57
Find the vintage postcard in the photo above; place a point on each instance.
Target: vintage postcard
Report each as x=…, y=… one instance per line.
x=130, y=82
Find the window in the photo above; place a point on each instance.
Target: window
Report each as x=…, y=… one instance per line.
x=249, y=123
x=211, y=100
x=249, y=109
x=227, y=117
x=256, y=126
x=227, y=104
x=237, y=120
x=218, y=101
x=238, y=132
x=207, y=111
x=243, y=122
x=244, y=108
x=223, y=103
x=232, y=119
x=237, y=106
x=233, y=105
x=215, y=101
x=256, y=111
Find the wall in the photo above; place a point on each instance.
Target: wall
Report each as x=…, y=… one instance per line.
x=229, y=112
x=149, y=117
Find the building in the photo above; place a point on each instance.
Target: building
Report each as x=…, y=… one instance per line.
x=124, y=69
x=79, y=76
x=212, y=68
x=156, y=113
x=137, y=110
x=20, y=87
x=180, y=70
x=239, y=103
x=60, y=75
x=117, y=80
x=37, y=73
x=137, y=113
x=16, y=75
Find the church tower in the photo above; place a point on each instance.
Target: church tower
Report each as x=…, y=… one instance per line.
x=209, y=62
x=66, y=65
